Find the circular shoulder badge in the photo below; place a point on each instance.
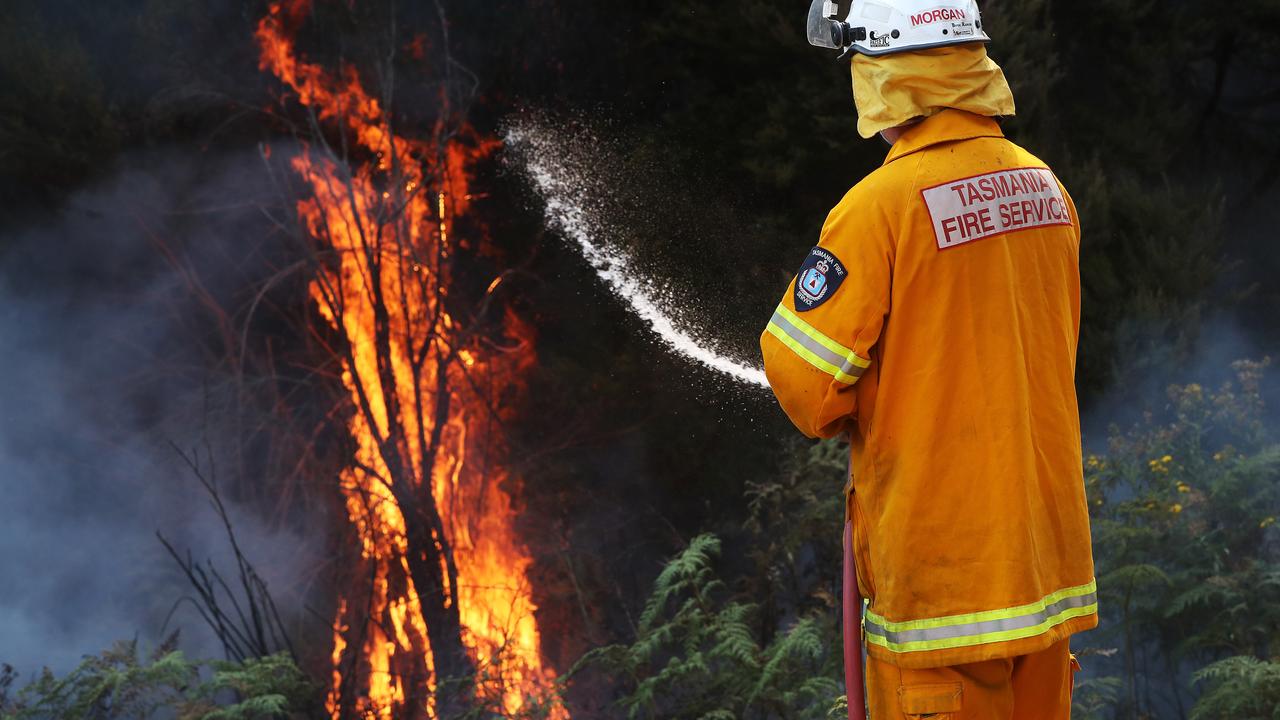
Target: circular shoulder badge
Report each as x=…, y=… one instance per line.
x=819, y=278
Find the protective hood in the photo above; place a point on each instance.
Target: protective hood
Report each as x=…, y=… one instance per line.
x=890, y=90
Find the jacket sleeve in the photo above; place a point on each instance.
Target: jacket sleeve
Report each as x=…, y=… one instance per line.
x=818, y=342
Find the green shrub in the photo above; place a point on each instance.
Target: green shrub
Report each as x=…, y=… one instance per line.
x=1240, y=688
x=698, y=654
x=1183, y=508
x=118, y=684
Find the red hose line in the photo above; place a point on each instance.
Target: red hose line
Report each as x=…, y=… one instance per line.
x=852, y=612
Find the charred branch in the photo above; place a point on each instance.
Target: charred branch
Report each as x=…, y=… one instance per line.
x=245, y=620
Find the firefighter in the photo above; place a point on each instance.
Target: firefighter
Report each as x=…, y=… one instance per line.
x=935, y=324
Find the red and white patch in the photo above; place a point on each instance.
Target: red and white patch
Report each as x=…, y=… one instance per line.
x=979, y=207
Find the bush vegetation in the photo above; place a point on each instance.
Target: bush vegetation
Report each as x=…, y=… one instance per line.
x=1184, y=508
x=121, y=683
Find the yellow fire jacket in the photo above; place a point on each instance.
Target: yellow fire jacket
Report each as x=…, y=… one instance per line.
x=936, y=322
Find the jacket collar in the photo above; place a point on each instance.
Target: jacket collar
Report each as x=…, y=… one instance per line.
x=947, y=126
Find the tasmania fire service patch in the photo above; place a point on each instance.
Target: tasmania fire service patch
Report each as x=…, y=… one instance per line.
x=819, y=278
x=979, y=207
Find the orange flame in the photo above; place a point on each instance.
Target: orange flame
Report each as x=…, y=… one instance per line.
x=388, y=225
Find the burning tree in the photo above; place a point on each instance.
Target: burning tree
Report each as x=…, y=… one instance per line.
x=437, y=614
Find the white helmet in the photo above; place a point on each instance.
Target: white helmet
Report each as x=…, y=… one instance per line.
x=879, y=27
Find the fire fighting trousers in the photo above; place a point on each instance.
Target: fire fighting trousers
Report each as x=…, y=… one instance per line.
x=1027, y=687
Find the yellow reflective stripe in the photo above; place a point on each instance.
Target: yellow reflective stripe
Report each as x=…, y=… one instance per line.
x=815, y=348
x=984, y=627
x=808, y=355
x=1038, y=605
x=846, y=353
x=986, y=638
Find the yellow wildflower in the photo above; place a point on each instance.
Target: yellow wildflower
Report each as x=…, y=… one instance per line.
x=1177, y=508
x=1184, y=488
x=1267, y=523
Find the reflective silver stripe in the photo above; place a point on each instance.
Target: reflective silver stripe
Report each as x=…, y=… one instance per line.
x=848, y=368
x=977, y=629
x=843, y=362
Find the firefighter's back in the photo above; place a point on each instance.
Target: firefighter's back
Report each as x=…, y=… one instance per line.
x=974, y=535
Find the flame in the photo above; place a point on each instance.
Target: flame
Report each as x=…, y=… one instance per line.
x=386, y=230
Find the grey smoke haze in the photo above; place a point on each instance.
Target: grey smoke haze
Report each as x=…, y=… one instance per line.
x=1220, y=341
x=99, y=376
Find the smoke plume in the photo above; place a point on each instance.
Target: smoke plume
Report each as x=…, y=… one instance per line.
x=102, y=378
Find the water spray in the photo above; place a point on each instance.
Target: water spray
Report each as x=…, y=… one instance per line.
x=563, y=179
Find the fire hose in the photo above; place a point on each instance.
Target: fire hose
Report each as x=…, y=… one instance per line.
x=852, y=612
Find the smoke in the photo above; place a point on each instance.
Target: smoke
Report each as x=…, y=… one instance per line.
x=571, y=173
x=102, y=372
x=1150, y=362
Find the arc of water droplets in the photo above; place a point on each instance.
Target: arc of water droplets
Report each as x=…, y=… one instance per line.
x=563, y=188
